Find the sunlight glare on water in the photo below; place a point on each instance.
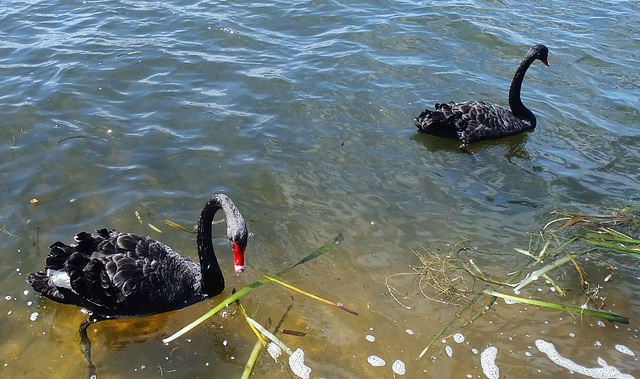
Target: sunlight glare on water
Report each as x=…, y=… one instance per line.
x=125, y=114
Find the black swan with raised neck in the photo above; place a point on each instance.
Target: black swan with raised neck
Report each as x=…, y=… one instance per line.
x=117, y=275
x=473, y=121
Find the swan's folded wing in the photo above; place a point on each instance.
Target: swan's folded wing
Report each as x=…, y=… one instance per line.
x=129, y=274
x=481, y=120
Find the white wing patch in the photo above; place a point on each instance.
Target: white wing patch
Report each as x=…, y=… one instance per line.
x=59, y=278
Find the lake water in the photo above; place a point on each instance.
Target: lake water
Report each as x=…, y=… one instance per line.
x=300, y=111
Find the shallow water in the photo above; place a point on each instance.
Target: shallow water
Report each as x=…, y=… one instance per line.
x=300, y=111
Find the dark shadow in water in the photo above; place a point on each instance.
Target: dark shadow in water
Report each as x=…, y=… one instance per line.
x=482, y=155
x=515, y=145
x=117, y=333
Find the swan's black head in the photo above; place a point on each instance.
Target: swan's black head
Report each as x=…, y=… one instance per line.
x=239, y=241
x=236, y=227
x=237, y=234
x=539, y=52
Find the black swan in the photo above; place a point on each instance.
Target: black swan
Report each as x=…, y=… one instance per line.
x=116, y=275
x=473, y=121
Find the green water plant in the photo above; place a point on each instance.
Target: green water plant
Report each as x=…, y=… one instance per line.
x=562, y=241
x=316, y=253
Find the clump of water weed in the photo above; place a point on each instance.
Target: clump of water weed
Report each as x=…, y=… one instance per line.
x=592, y=234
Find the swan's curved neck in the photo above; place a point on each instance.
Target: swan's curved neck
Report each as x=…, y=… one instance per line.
x=212, y=278
x=517, y=108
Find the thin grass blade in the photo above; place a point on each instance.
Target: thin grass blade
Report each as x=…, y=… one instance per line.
x=289, y=286
x=323, y=249
x=538, y=273
x=589, y=312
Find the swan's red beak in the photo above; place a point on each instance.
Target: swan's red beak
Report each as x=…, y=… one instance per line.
x=546, y=63
x=238, y=257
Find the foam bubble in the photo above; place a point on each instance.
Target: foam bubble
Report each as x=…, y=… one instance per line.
x=604, y=372
x=458, y=337
x=488, y=362
x=376, y=361
x=625, y=350
x=398, y=367
x=34, y=316
x=296, y=362
x=274, y=350
x=448, y=350
x=370, y=338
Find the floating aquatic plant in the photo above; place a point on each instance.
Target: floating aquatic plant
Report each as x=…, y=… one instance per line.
x=323, y=249
x=276, y=346
x=562, y=241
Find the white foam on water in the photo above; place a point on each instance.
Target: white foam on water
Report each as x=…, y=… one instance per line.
x=376, y=361
x=604, y=372
x=274, y=350
x=398, y=367
x=488, y=362
x=448, y=350
x=458, y=337
x=34, y=316
x=370, y=338
x=296, y=362
x=625, y=350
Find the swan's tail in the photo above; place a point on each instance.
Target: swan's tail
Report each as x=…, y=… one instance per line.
x=439, y=122
x=63, y=275
x=429, y=119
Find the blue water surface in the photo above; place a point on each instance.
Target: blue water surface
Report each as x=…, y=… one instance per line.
x=300, y=111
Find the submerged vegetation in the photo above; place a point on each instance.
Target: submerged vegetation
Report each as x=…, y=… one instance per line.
x=275, y=347
x=570, y=240
x=265, y=339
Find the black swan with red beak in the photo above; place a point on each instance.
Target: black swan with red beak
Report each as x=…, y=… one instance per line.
x=116, y=275
x=472, y=121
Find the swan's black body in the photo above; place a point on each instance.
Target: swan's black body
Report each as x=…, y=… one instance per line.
x=120, y=275
x=473, y=121
x=123, y=275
